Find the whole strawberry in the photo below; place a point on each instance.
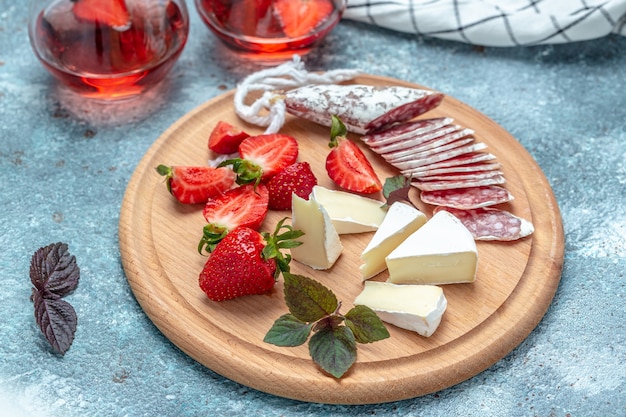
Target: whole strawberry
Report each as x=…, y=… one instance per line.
x=297, y=179
x=247, y=262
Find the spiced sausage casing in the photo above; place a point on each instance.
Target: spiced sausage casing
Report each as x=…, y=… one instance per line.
x=362, y=108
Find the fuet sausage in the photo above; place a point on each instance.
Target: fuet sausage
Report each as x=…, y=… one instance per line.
x=362, y=108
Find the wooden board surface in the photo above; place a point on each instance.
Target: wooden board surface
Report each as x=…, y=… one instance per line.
x=515, y=284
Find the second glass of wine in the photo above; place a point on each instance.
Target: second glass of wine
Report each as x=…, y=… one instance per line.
x=108, y=49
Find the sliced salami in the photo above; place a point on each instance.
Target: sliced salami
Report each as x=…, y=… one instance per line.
x=461, y=176
x=449, y=185
x=447, y=143
x=405, y=130
x=439, y=156
x=464, y=159
x=468, y=198
x=492, y=223
x=477, y=167
x=414, y=141
x=362, y=108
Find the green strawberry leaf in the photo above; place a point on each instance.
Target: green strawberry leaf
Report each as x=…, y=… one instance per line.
x=307, y=299
x=333, y=349
x=366, y=326
x=337, y=130
x=288, y=331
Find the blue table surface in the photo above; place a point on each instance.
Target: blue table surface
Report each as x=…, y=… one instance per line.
x=65, y=167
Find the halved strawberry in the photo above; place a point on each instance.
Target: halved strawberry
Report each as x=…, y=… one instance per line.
x=195, y=184
x=112, y=13
x=246, y=262
x=225, y=138
x=263, y=156
x=347, y=165
x=295, y=179
x=300, y=17
x=246, y=205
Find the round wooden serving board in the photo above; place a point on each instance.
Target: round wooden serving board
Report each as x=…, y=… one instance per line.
x=515, y=284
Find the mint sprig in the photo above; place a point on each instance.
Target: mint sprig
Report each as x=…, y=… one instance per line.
x=313, y=308
x=397, y=189
x=54, y=274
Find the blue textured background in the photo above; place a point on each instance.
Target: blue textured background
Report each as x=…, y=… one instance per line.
x=65, y=168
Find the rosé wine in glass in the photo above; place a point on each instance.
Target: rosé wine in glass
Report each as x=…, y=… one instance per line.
x=108, y=49
x=266, y=27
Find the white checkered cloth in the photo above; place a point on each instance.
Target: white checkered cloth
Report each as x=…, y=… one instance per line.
x=496, y=22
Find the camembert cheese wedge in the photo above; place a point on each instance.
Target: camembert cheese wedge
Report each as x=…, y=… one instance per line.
x=418, y=308
x=442, y=251
x=399, y=223
x=320, y=244
x=350, y=213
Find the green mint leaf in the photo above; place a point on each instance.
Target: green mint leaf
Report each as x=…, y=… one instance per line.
x=288, y=331
x=366, y=326
x=333, y=349
x=57, y=320
x=307, y=299
x=397, y=189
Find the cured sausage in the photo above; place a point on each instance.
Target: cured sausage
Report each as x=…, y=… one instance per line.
x=438, y=157
x=492, y=223
x=464, y=159
x=405, y=130
x=468, y=198
x=362, y=108
x=463, y=183
x=476, y=167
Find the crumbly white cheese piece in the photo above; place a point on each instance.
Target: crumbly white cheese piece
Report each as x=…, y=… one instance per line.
x=320, y=244
x=442, y=251
x=400, y=222
x=418, y=308
x=350, y=213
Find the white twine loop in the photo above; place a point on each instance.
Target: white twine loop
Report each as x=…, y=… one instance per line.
x=271, y=81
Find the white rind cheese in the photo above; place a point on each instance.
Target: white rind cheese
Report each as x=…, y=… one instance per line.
x=418, y=308
x=442, y=251
x=399, y=223
x=320, y=244
x=350, y=213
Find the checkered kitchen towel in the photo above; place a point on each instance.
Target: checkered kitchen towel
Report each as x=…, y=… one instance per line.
x=496, y=22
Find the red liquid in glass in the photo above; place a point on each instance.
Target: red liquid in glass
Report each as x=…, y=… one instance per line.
x=100, y=61
x=261, y=26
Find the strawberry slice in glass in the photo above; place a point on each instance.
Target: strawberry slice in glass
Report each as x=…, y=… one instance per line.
x=113, y=13
x=300, y=17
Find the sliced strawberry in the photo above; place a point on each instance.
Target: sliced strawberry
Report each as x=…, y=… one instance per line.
x=112, y=13
x=246, y=262
x=300, y=17
x=347, y=165
x=225, y=138
x=295, y=179
x=196, y=184
x=242, y=206
x=262, y=157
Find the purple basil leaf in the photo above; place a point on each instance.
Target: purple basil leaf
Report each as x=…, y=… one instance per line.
x=56, y=319
x=54, y=271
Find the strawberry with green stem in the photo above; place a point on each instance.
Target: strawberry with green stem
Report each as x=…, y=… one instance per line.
x=247, y=262
x=263, y=156
x=347, y=165
x=245, y=205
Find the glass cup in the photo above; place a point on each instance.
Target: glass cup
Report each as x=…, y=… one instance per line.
x=108, y=49
x=267, y=28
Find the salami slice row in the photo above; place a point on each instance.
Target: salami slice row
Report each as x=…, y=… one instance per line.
x=453, y=172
